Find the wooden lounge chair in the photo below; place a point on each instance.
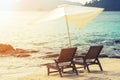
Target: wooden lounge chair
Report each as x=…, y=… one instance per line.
x=65, y=60
x=90, y=58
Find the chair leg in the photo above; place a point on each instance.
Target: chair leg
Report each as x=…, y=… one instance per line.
x=86, y=65
x=59, y=70
x=74, y=69
x=62, y=69
x=99, y=65
x=88, y=68
x=48, y=71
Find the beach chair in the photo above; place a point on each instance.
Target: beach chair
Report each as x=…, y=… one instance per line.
x=65, y=60
x=90, y=58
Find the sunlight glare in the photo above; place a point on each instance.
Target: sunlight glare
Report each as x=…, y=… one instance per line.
x=8, y=5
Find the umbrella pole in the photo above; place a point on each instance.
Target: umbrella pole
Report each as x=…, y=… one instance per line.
x=68, y=31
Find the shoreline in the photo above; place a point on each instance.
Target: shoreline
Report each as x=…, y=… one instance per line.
x=111, y=71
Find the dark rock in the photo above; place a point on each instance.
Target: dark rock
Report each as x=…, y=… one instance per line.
x=117, y=41
x=102, y=55
x=114, y=57
x=51, y=56
x=48, y=52
x=116, y=49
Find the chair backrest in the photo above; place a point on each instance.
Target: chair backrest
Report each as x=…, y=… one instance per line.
x=67, y=54
x=93, y=52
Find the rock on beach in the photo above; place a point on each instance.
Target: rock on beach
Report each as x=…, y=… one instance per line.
x=7, y=49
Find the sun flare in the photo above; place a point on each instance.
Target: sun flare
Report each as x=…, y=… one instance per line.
x=8, y=4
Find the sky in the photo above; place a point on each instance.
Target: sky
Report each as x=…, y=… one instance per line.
x=33, y=4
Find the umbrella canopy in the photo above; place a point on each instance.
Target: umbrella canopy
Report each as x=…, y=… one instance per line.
x=79, y=16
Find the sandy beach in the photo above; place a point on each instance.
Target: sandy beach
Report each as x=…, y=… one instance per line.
x=32, y=35
x=111, y=71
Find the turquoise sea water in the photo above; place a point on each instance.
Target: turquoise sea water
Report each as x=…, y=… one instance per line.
x=21, y=30
x=103, y=30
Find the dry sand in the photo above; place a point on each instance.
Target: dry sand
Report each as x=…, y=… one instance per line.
x=111, y=71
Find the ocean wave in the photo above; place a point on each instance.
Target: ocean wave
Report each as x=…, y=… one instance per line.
x=40, y=43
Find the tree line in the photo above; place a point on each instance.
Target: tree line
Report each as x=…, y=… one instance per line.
x=108, y=5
